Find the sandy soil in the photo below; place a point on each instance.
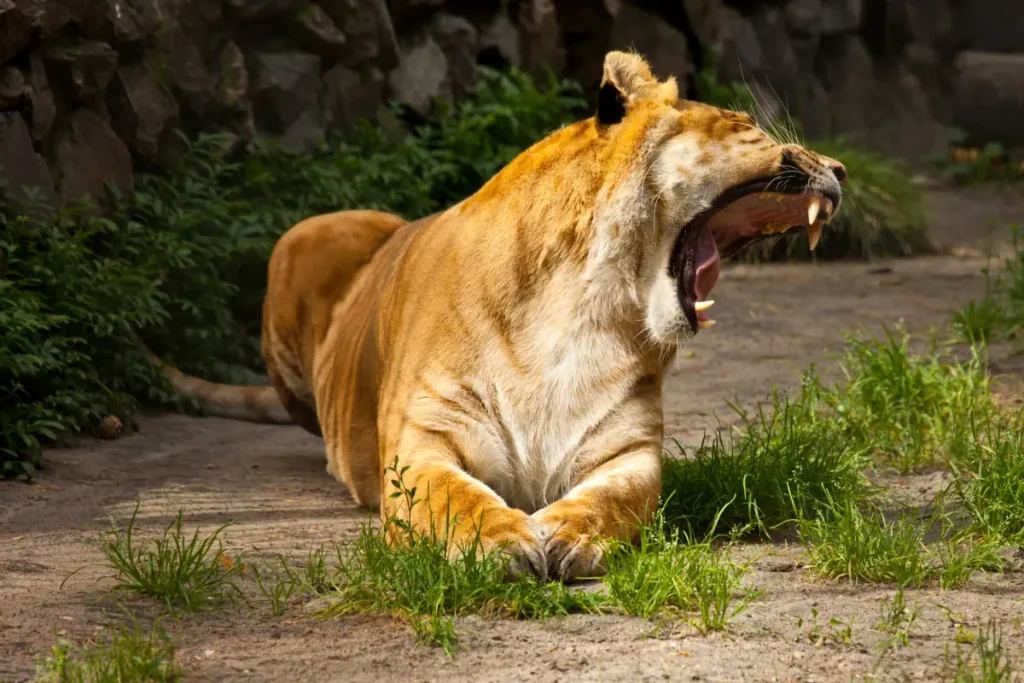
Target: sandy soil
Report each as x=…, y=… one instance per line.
x=773, y=321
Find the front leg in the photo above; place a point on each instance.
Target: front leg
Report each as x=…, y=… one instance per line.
x=611, y=501
x=453, y=505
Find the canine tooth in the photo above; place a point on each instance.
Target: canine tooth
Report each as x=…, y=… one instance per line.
x=705, y=323
x=703, y=305
x=813, y=234
x=812, y=210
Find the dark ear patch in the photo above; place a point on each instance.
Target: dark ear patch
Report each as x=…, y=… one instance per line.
x=611, y=105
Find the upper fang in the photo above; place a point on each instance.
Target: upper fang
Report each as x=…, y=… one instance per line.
x=812, y=209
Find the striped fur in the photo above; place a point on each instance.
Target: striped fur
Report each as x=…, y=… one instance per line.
x=509, y=352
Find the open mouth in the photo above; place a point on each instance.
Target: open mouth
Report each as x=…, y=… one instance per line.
x=738, y=218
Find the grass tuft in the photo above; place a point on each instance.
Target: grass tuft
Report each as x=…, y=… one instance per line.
x=789, y=453
x=186, y=573
x=845, y=542
x=985, y=661
x=990, y=481
x=666, y=575
x=120, y=656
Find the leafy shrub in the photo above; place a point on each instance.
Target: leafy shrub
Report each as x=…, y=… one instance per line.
x=183, y=263
x=67, y=291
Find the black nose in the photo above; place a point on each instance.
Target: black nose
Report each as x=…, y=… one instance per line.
x=839, y=171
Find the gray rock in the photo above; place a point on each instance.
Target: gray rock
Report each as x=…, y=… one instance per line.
x=884, y=105
x=542, y=44
x=87, y=156
x=262, y=9
x=23, y=171
x=500, y=39
x=921, y=21
x=706, y=17
x=42, y=111
x=234, y=77
x=15, y=29
x=286, y=97
x=12, y=88
x=82, y=68
x=586, y=31
x=739, y=50
x=781, y=74
x=368, y=31
x=840, y=16
x=121, y=21
x=188, y=73
x=421, y=75
x=142, y=111
x=988, y=96
x=350, y=95
x=990, y=25
x=458, y=41
x=662, y=44
x=403, y=10
x=803, y=17
x=320, y=35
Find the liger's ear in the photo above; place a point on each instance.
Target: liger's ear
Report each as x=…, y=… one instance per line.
x=626, y=78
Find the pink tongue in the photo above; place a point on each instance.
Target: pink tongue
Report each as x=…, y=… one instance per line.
x=708, y=264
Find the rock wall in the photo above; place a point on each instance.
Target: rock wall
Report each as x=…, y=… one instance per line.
x=92, y=90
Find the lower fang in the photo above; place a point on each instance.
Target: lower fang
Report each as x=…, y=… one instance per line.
x=705, y=323
x=813, y=234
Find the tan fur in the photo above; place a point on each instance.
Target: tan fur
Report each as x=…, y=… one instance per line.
x=510, y=351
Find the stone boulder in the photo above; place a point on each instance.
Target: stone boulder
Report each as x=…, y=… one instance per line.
x=413, y=10
x=421, y=75
x=42, y=111
x=662, y=44
x=286, y=97
x=88, y=155
x=840, y=16
x=369, y=33
x=319, y=34
x=458, y=41
x=12, y=88
x=143, y=111
x=586, y=32
x=121, y=21
x=22, y=170
x=884, y=105
x=990, y=25
x=739, y=50
x=705, y=17
x=81, y=68
x=15, y=29
x=233, y=91
x=499, y=44
x=350, y=95
x=988, y=96
x=542, y=46
x=252, y=10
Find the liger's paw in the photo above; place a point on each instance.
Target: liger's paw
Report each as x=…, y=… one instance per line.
x=514, y=534
x=571, y=552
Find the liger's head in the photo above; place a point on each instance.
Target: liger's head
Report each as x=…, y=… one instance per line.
x=718, y=183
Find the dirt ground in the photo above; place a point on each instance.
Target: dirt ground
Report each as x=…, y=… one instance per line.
x=773, y=321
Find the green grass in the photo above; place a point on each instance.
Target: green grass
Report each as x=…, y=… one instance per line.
x=789, y=453
x=999, y=315
x=990, y=481
x=665, y=574
x=117, y=656
x=911, y=408
x=846, y=542
x=984, y=662
x=185, y=572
